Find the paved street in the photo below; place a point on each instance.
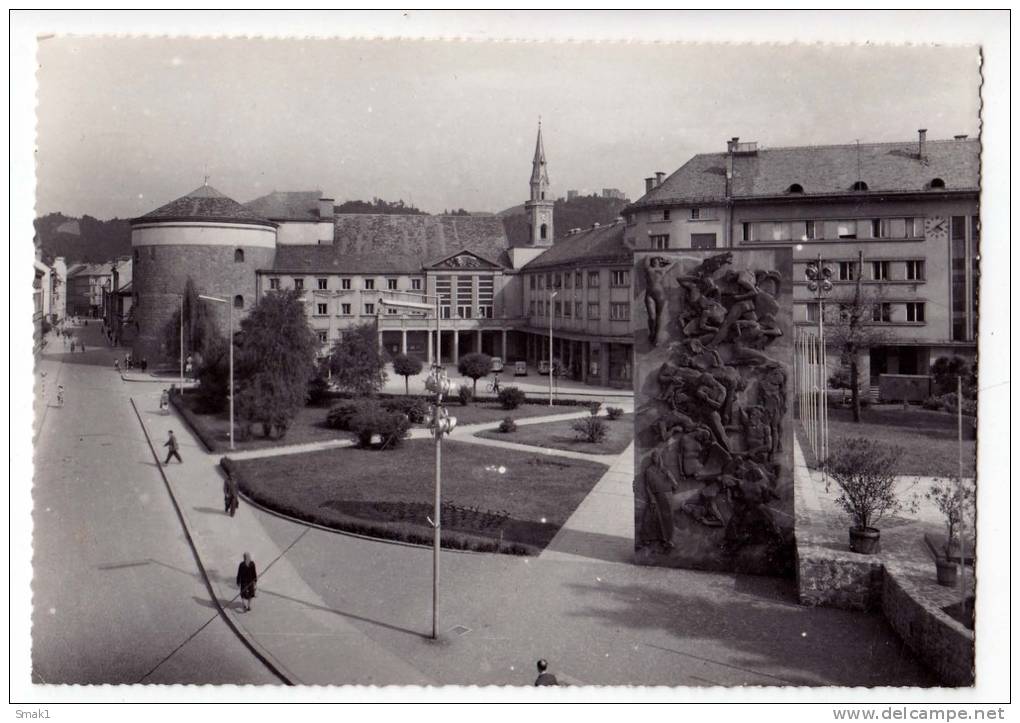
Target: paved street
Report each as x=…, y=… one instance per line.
x=116, y=593
x=114, y=569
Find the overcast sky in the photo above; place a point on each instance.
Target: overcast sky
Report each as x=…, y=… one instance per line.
x=126, y=125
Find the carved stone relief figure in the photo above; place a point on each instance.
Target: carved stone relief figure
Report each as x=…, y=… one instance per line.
x=660, y=484
x=655, y=297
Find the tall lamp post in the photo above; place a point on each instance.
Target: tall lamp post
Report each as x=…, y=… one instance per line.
x=820, y=283
x=551, y=297
x=230, y=346
x=441, y=424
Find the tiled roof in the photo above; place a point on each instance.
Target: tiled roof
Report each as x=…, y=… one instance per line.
x=205, y=203
x=287, y=206
x=92, y=270
x=399, y=244
x=822, y=170
x=595, y=245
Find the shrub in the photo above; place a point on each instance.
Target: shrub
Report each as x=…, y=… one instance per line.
x=956, y=506
x=945, y=370
x=511, y=397
x=593, y=407
x=590, y=429
x=508, y=425
x=464, y=394
x=318, y=390
x=950, y=404
x=932, y=403
x=614, y=412
x=416, y=409
x=370, y=418
x=339, y=417
x=865, y=471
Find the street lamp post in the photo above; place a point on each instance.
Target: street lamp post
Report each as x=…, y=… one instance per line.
x=819, y=281
x=551, y=297
x=441, y=424
x=230, y=347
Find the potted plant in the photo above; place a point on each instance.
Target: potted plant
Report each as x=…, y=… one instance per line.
x=953, y=501
x=865, y=472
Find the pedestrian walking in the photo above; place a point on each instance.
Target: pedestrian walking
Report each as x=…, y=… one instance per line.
x=145, y=364
x=116, y=366
x=164, y=402
x=229, y=495
x=60, y=395
x=171, y=442
x=544, y=676
x=246, y=579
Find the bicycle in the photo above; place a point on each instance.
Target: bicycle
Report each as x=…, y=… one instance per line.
x=493, y=386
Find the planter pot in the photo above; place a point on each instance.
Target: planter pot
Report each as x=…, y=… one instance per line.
x=946, y=572
x=864, y=541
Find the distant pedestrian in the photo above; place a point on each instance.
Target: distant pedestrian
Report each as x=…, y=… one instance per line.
x=544, y=676
x=188, y=367
x=116, y=366
x=171, y=442
x=145, y=364
x=246, y=579
x=229, y=495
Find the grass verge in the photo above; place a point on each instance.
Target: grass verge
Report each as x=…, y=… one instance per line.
x=559, y=435
x=495, y=500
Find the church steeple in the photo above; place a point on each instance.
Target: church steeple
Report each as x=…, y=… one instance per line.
x=539, y=207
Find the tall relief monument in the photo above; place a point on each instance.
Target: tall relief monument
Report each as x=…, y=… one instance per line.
x=713, y=346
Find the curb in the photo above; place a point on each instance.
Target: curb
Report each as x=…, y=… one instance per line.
x=198, y=560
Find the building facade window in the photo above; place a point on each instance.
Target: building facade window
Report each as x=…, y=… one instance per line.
x=531, y=281
x=593, y=279
x=619, y=311
x=345, y=309
x=915, y=311
x=660, y=241
x=370, y=284
x=415, y=284
x=578, y=279
x=485, y=311
x=369, y=309
x=695, y=214
x=881, y=313
x=239, y=256
x=915, y=270
x=567, y=310
x=322, y=284
x=557, y=309
x=809, y=230
x=391, y=310
x=593, y=310
x=812, y=311
x=619, y=278
x=391, y=284
x=880, y=270
x=568, y=280
x=665, y=215
x=702, y=240
x=846, y=270
x=543, y=232
x=274, y=284
x=345, y=284
x=321, y=309
x=958, y=276
x=238, y=302
x=531, y=307
x=541, y=308
x=323, y=336
x=577, y=310
x=299, y=284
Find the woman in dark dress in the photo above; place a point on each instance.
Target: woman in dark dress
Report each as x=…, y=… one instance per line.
x=246, y=578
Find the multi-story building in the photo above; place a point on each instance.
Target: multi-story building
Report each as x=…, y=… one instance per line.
x=910, y=208
x=581, y=289
x=87, y=285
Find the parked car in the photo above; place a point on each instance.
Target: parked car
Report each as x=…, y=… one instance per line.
x=543, y=367
x=520, y=369
x=497, y=365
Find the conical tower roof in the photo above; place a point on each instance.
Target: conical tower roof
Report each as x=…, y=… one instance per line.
x=538, y=169
x=205, y=203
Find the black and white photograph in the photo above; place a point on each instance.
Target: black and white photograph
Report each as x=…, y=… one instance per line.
x=428, y=360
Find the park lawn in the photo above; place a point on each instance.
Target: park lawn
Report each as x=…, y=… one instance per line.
x=559, y=435
x=928, y=438
x=389, y=493
x=308, y=426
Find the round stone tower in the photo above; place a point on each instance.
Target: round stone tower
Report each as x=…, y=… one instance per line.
x=207, y=237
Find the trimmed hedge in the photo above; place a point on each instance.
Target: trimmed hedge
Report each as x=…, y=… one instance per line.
x=189, y=417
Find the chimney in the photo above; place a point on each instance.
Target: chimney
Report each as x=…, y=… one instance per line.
x=649, y=184
x=962, y=137
x=731, y=144
x=921, y=133
x=659, y=177
x=325, y=208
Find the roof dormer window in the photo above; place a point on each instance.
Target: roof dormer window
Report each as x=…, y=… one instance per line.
x=795, y=188
x=859, y=186
x=937, y=183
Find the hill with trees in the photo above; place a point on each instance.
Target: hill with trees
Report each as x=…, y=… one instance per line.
x=579, y=212
x=82, y=240
x=378, y=205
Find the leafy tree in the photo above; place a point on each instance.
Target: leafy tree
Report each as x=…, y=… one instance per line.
x=212, y=370
x=356, y=361
x=275, y=362
x=474, y=366
x=945, y=370
x=199, y=326
x=406, y=366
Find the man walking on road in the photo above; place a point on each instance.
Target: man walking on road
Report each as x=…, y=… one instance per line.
x=230, y=495
x=171, y=442
x=544, y=676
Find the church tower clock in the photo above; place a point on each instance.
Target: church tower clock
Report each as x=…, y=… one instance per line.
x=540, y=206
